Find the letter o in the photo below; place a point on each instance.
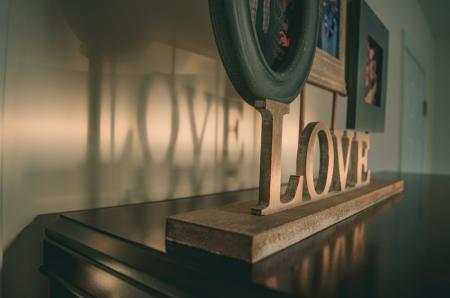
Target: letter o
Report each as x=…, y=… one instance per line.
x=312, y=132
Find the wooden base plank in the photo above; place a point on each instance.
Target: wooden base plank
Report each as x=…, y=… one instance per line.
x=234, y=232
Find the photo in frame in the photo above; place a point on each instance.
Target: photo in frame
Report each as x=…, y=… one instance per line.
x=330, y=18
x=267, y=47
x=328, y=70
x=368, y=46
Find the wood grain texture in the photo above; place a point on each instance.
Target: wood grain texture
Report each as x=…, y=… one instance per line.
x=313, y=132
x=342, y=141
x=234, y=232
x=270, y=198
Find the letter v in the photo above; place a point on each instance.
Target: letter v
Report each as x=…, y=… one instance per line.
x=341, y=148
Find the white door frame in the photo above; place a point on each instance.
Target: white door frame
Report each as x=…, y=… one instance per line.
x=409, y=48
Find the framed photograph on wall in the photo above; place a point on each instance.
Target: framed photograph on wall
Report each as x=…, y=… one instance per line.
x=328, y=69
x=368, y=47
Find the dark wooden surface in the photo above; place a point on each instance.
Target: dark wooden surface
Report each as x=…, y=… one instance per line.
x=399, y=248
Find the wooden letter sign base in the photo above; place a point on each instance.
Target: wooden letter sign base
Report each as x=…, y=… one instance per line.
x=253, y=230
x=233, y=231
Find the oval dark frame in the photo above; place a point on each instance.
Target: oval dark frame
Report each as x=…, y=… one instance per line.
x=244, y=61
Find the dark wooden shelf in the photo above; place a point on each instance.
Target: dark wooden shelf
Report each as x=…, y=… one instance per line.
x=399, y=248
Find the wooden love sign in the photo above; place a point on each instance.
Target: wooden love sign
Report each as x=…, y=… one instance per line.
x=307, y=206
x=343, y=161
x=344, y=184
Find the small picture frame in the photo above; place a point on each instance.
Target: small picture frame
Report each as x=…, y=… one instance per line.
x=368, y=47
x=328, y=70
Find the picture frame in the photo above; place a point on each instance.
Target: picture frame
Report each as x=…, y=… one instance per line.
x=367, y=69
x=328, y=70
x=243, y=49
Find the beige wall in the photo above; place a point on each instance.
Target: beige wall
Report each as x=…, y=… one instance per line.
x=139, y=138
x=441, y=124
x=3, y=39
